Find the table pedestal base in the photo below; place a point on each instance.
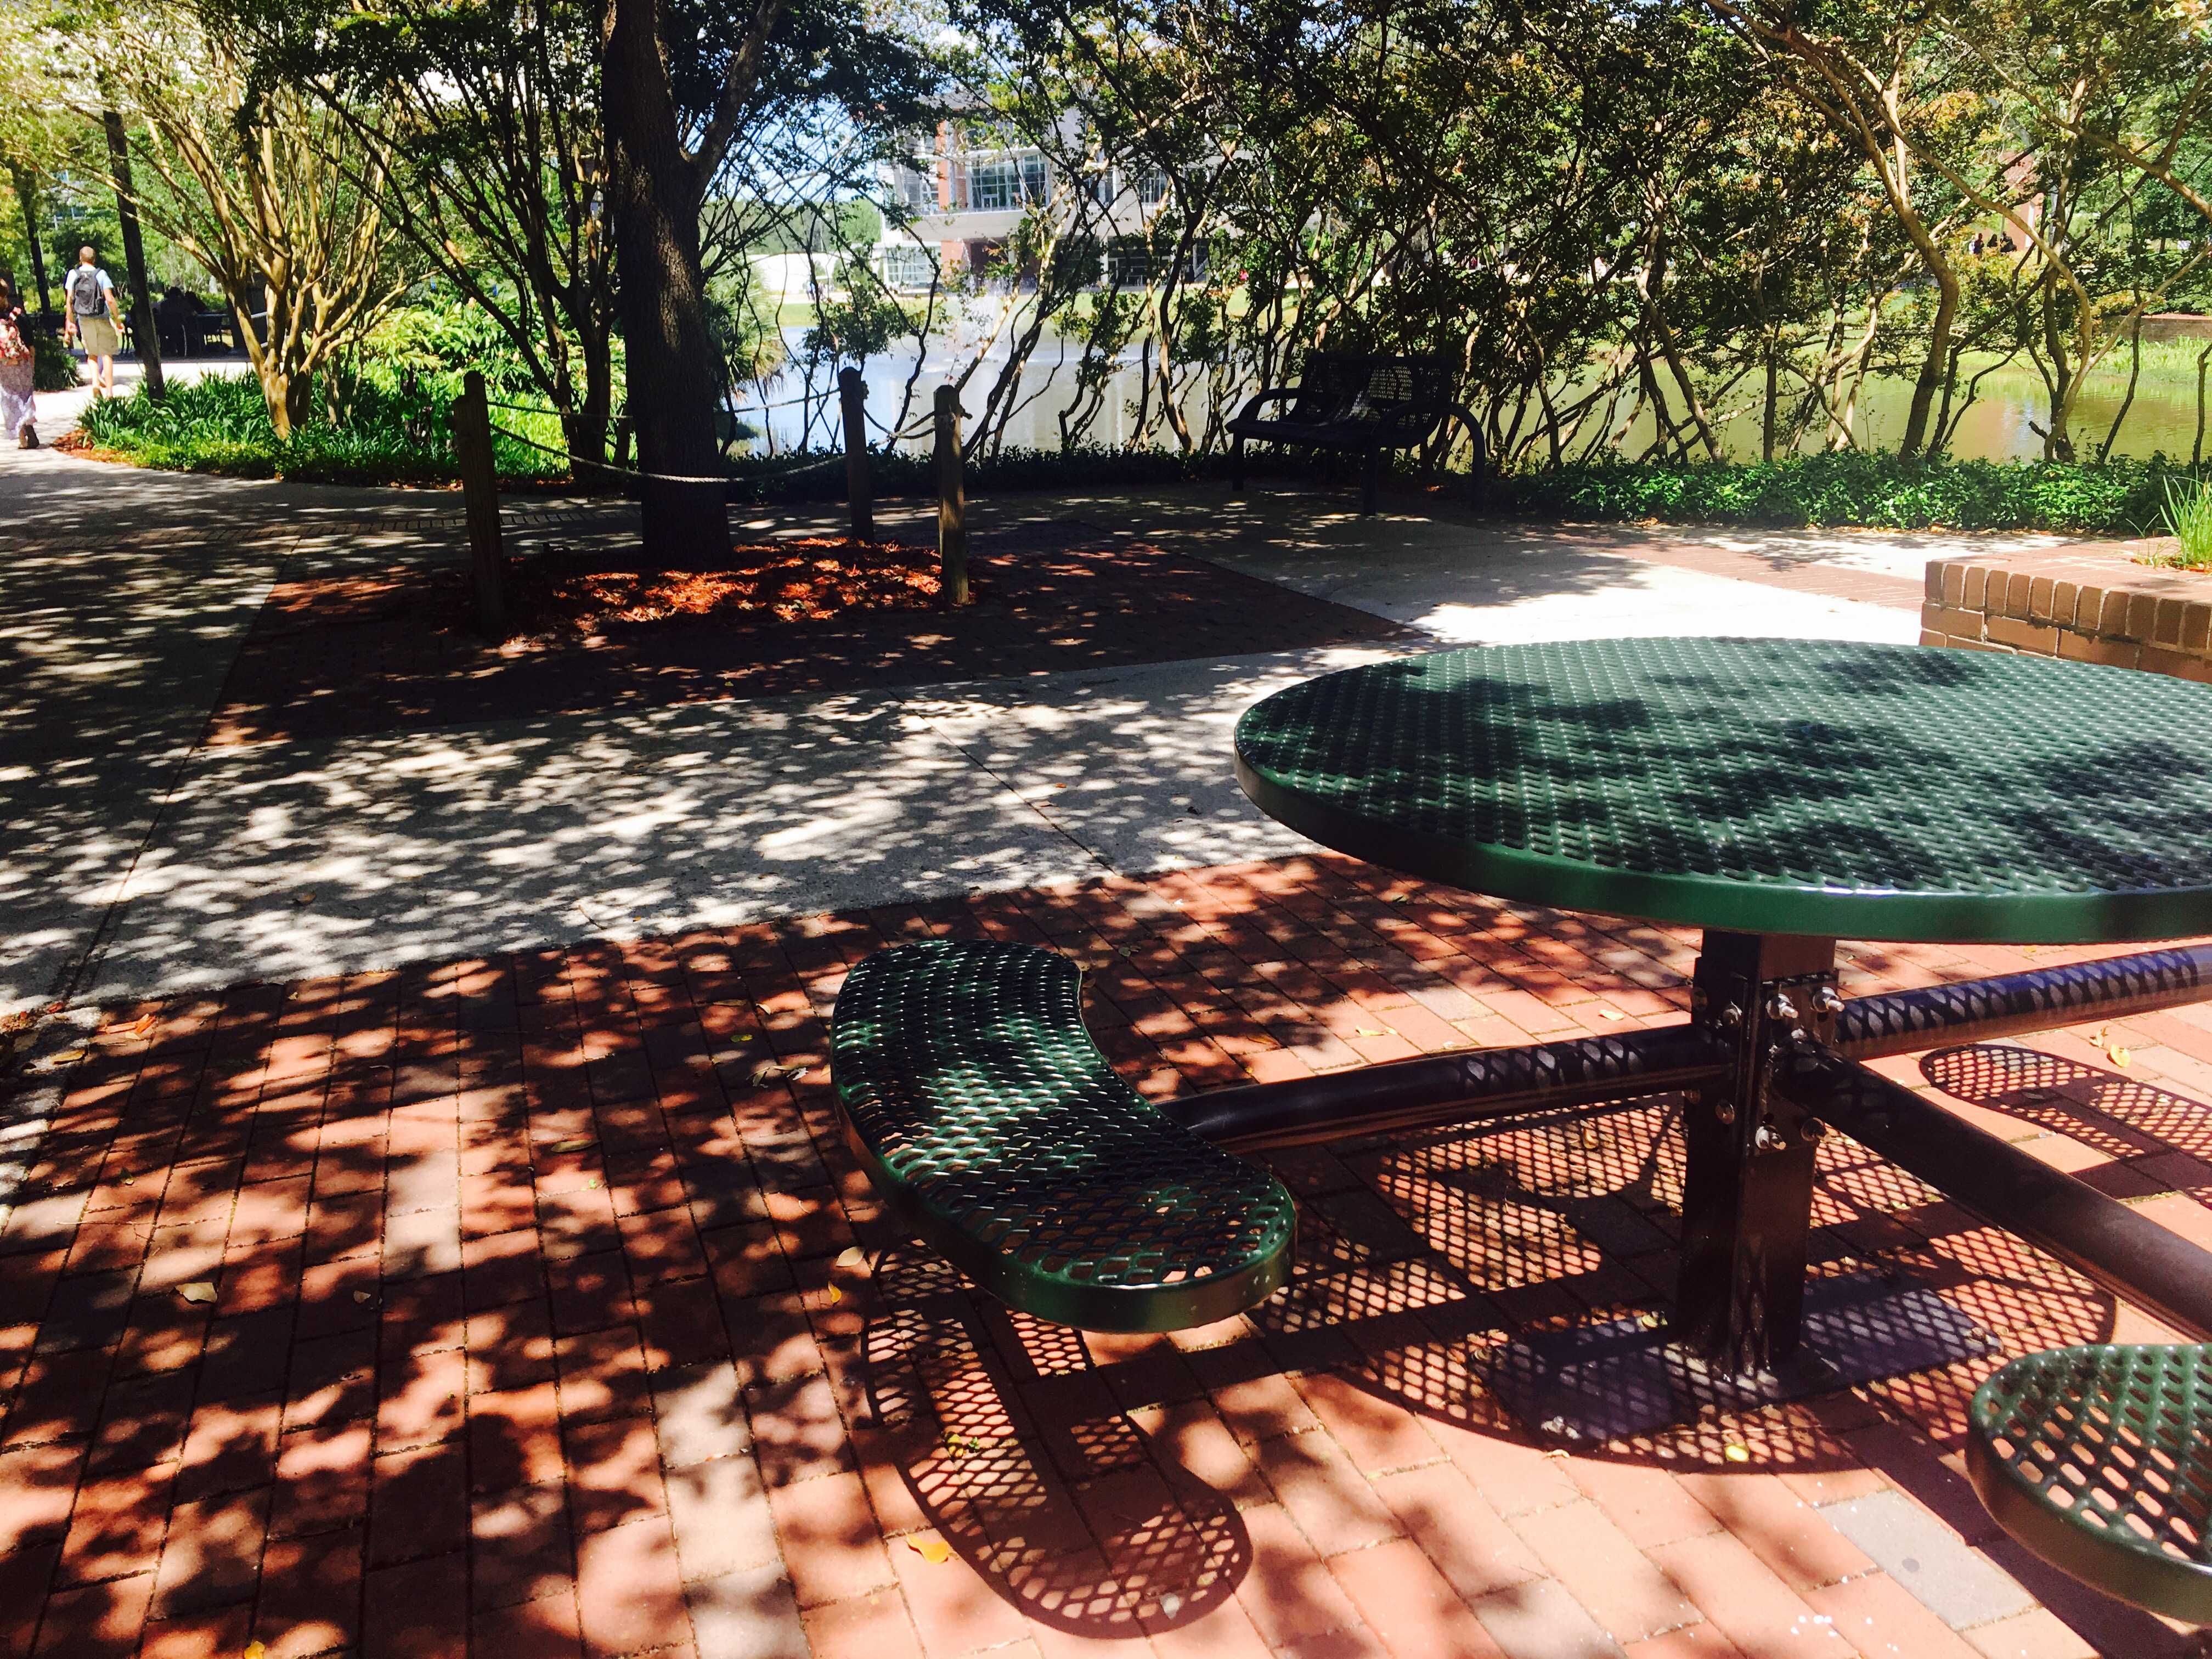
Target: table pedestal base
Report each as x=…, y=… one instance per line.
x=1625, y=1378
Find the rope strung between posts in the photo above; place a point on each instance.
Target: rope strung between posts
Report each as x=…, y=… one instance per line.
x=574, y=459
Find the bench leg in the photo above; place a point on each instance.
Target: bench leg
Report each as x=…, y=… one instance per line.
x=1371, y=478
x=1237, y=464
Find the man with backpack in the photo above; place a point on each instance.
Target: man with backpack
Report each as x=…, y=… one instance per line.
x=90, y=317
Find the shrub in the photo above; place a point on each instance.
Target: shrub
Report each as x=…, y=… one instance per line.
x=53, y=368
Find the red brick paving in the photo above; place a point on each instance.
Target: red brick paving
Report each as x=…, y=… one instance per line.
x=333, y=656
x=536, y=1329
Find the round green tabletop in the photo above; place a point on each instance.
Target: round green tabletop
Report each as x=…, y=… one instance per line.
x=1873, y=792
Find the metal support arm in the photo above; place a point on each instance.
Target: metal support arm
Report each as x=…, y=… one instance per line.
x=1903, y=1022
x=2127, y=1253
x=1454, y=1088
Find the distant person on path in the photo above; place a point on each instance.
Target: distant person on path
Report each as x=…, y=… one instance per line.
x=19, y=362
x=89, y=318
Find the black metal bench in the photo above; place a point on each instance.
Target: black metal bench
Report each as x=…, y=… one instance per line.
x=996, y=1132
x=1365, y=406
x=2097, y=1459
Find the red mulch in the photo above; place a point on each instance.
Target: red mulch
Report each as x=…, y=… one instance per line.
x=811, y=579
x=394, y=650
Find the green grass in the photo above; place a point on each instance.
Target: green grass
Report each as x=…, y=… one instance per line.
x=390, y=435
x=2189, y=521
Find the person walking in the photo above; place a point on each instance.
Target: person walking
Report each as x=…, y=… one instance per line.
x=89, y=318
x=19, y=367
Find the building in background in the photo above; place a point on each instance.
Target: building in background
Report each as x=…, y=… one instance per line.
x=964, y=197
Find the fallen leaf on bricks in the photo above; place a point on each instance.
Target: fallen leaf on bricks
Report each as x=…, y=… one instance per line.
x=573, y=1144
x=198, y=1290
x=1735, y=1453
x=854, y=1257
x=2119, y=1056
x=935, y=1551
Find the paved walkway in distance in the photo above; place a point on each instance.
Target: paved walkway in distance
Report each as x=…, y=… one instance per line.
x=444, y=1242
x=171, y=864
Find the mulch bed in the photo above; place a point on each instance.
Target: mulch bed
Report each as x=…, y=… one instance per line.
x=333, y=656
x=808, y=579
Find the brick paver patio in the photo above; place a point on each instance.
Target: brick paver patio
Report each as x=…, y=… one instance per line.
x=530, y=1306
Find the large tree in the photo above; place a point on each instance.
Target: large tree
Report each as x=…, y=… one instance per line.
x=685, y=85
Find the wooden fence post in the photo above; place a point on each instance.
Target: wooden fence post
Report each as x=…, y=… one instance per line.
x=952, y=502
x=479, y=470
x=860, y=495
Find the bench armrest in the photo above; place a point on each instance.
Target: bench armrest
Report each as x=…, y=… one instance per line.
x=1273, y=394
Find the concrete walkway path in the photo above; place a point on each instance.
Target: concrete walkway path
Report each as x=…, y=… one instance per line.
x=139, y=862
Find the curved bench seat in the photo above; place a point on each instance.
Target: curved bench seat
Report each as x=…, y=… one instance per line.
x=996, y=1132
x=2097, y=1460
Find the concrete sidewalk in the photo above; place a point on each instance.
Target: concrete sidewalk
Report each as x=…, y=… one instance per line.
x=142, y=863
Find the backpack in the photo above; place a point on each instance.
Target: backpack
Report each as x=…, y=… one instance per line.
x=87, y=297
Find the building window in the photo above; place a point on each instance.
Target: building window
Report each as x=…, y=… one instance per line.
x=1128, y=262
x=1152, y=187
x=911, y=187
x=907, y=267
x=1001, y=184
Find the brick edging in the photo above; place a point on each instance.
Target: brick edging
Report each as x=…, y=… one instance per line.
x=1987, y=607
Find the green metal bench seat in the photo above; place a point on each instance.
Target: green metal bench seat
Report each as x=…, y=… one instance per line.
x=2095, y=1458
x=996, y=1132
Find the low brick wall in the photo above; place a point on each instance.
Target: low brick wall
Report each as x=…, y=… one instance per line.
x=2089, y=606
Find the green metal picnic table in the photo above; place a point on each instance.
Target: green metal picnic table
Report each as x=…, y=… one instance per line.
x=1779, y=794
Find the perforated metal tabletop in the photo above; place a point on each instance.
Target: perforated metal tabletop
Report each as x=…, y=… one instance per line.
x=1765, y=786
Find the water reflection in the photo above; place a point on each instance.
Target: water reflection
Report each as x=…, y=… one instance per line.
x=2000, y=426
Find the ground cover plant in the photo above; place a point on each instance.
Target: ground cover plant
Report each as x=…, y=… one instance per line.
x=1871, y=489
x=382, y=433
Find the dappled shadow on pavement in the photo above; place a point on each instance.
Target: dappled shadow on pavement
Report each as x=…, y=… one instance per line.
x=533, y=1303
x=394, y=651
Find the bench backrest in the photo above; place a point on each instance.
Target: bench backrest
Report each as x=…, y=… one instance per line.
x=1336, y=387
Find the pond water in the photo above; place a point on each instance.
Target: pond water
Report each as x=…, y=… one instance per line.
x=2000, y=426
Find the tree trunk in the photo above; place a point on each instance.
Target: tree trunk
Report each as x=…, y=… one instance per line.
x=27, y=199
x=588, y=426
x=146, y=336
x=657, y=192
x=1935, y=368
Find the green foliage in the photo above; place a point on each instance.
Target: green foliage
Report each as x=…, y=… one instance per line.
x=1843, y=487
x=448, y=341
x=396, y=430
x=2189, y=520
x=53, y=368
x=1856, y=486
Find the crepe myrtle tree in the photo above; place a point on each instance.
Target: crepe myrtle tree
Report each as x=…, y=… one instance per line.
x=686, y=87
